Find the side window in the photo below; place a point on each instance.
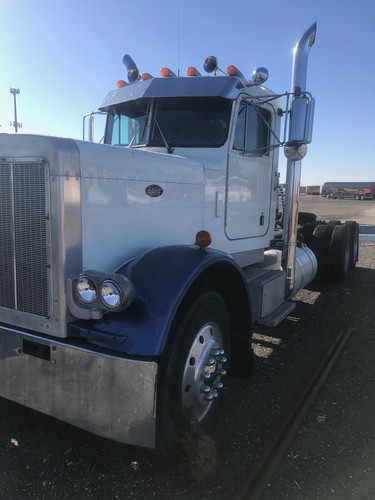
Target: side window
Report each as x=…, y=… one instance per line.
x=252, y=130
x=126, y=129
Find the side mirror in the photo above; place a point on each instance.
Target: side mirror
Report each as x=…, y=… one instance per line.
x=301, y=119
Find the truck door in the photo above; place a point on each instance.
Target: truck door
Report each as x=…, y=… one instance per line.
x=250, y=174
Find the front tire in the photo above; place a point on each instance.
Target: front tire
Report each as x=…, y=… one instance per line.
x=192, y=369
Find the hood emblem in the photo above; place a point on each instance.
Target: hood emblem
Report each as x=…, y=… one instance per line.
x=154, y=190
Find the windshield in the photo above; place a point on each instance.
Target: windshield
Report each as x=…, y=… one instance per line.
x=175, y=122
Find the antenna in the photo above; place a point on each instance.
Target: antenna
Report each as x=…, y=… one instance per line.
x=178, y=37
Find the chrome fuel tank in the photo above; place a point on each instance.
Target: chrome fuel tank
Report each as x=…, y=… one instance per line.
x=305, y=268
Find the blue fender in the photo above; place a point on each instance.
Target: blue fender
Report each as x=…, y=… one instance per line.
x=161, y=278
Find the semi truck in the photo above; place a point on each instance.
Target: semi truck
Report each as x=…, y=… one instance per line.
x=133, y=271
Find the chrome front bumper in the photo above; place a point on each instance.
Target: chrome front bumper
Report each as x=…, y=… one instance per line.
x=107, y=395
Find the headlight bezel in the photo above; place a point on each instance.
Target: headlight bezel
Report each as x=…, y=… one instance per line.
x=99, y=280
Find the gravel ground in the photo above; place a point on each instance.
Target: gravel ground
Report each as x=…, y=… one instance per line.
x=43, y=458
x=333, y=455
x=360, y=211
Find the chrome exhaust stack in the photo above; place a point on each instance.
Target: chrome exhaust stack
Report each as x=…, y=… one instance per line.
x=300, y=133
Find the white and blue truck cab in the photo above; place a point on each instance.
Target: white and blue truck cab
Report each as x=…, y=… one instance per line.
x=132, y=271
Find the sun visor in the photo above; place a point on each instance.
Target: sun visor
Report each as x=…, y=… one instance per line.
x=225, y=86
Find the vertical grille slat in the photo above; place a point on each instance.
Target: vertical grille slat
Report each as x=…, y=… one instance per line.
x=24, y=279
x=6, y=239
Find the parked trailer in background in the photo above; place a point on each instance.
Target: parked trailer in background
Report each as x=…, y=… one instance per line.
x=353, y=190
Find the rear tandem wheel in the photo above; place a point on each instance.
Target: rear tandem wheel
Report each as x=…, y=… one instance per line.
x=335, y=246
x=340, y=253
x=320, y=245
x=354, y=244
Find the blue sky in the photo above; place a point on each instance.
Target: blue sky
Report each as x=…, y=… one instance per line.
x=65, y=56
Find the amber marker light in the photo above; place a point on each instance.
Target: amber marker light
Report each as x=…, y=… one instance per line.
x=191, y=71
x=166, y=72
x=233, y=71
x=121, y=84
x=146, y=76
x=203, y=239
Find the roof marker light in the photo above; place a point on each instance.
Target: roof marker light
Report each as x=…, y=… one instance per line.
x=233, y=71
x=191, y=71
x=166, y=72
x=121, y=84
x=146, y=76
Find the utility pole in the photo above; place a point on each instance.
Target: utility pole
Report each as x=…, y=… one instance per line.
x=15, y=124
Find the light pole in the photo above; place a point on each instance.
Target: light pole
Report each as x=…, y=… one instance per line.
x=15, y=124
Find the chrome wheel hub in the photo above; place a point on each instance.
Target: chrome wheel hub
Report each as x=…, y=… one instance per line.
x=202, y=374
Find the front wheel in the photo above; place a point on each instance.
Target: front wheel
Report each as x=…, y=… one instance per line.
x=193, y=369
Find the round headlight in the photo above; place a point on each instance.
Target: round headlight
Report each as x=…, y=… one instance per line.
x=86, y=290
x=110, y=294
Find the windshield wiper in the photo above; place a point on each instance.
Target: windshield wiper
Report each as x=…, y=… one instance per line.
x=168, y=147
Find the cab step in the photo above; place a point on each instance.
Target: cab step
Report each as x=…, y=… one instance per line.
x=276, y=316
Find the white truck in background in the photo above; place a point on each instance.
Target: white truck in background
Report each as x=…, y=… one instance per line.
x=133, y=271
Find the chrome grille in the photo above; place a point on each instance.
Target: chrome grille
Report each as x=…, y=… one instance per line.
x=23, y=240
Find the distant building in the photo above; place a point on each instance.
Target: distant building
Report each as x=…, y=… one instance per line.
x=310, y=189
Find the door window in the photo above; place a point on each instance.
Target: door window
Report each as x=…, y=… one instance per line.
x=252, y=133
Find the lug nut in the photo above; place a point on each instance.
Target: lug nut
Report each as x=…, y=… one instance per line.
x=211, y=395
x=205, y=388
x=215, y=352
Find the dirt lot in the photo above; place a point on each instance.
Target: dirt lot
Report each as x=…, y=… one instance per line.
x=333, y=454
x=360, y=211
x=44, y=459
